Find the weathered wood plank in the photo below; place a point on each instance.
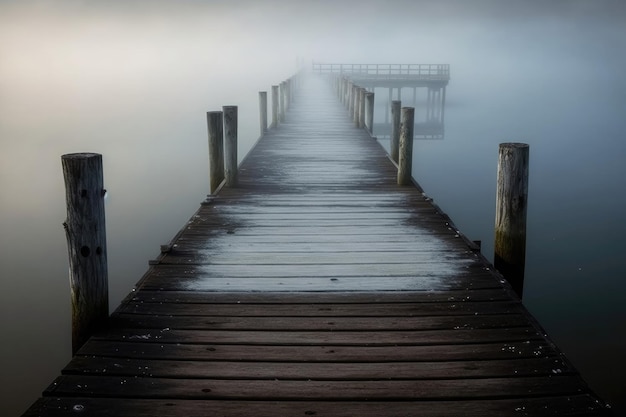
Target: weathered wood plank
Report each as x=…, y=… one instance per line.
x=300, y=371
x=322, y=338
x=190, y=245
x=319, y=323
x=188, y=280
x=394, y=310
x=571, y=405
x=370, y=299
x=317, y=258
x=330, y=353
x=451, y=271
x=277, y=390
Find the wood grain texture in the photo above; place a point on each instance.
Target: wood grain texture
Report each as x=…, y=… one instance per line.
x=511, y=207
x=85, y=230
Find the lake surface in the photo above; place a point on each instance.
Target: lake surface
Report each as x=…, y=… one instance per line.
x=133, y=80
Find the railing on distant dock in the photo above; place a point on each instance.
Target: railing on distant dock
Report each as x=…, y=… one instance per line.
x=388, y=71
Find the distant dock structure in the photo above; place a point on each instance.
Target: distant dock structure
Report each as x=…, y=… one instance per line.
x=398, y=79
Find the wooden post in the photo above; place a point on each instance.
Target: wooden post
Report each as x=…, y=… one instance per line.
x=443, y=104
x=230, y=145
x=369, y=113
x=86, y=241
x=395, y=129
x=351, y=99
x=388, y=106
x=274, y=105
x=355, y=103
x=216, y=149
x=263, y=111
x=511, y=203
x=362, y=107
x=357, y=106
x=405, y=156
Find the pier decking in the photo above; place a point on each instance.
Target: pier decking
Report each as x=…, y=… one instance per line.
x=319, y=287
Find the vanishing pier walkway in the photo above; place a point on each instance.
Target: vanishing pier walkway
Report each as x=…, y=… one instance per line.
x=319, y=287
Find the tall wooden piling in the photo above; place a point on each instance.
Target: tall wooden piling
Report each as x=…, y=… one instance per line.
x=369, y=112
x=274, y=105
x=230, y=145
x=86, y=241
x=263, y=111
x=355, y=104
x=362, y=107
x=216, y=149
x=443, y=105
x=351, y=98
x=405, y=155
x=511, y=205
x=360, y=111
x=395, y=129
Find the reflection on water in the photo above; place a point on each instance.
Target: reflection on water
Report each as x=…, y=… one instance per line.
x=133, y=83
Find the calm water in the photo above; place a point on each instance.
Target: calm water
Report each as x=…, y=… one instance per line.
x=132, y=80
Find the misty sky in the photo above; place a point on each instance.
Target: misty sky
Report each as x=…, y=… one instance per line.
x=83, y=50
x=70, y=41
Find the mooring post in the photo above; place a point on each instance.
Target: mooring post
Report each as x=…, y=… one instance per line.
x=263, y=111
x=350, y=103
x=362, y=107
x=216, y=149
x=355, y=103
x=395, y=129
x=358, y=110
x=86, y=242
x=511, y=204
x=230, y=145
x=357, y=106
x=405, y=155
x=274, y=105
x=369, y=112
x=443, y=105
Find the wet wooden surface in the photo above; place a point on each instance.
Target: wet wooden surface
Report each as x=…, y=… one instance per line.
x=318, y=287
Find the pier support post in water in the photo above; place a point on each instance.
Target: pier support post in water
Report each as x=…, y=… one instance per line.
x=351, y=99
x=355, y=104
x=405, y=155
x=230, y=145
x=395, y=129
x=216, y=149
x=274, y=105
x=86, y=241
x=511, y=204
x=361, y=121
x=369, y=112
x=263, y=111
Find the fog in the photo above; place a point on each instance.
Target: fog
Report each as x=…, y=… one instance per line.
x=133, y=79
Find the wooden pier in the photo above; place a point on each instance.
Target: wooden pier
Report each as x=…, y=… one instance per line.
x=319, y=287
